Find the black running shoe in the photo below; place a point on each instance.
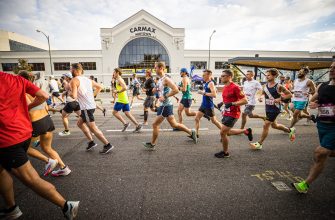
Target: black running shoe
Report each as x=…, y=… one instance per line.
x=91, y=145
x=313, y=118
x=222, y=154
x=104, y=112
x=149, y=146
x=248, y=132
x=207, y=117
x=175, y=129
x=125, y=126
x=107, y=148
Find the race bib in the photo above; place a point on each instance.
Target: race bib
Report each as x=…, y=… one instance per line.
x=326, y=111
x=299, y=94
x=269, y=101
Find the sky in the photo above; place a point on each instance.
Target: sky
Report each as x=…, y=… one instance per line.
x=285, y=25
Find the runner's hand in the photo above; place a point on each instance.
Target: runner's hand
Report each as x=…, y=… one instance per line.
x=201, y=92
x=313, y=105
x=278, y=100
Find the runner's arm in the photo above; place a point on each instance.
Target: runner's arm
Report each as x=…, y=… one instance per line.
x=40, y=97
x=213, y=91
x=287, y=94
x=74, y=88
x=123, y=86
x=311, y=86
x=315, y=95
x=174, y=88
x=184, y=81
x=97, y=88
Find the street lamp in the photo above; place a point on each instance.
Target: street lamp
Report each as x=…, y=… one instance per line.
x=209, y=50
x=49, y=48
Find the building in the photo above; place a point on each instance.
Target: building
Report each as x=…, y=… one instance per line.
x=136, y=44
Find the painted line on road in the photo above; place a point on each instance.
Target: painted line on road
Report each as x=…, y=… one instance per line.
x=163, y=129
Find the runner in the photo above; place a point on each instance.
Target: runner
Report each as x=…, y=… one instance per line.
x=273, y=97
x=122, y=102
x=102, y=109
x=71, y=105
x=82, y=91
x=207, y=105
x=250, y=88
x=15, y=133
x=149, y=85
x=42, y=128
x=324, y=100
x=166, y=89
x=186, y=100
x=233, y=98
x=286, y=102
x=135, y=85
x=302, y=88
x=54, y=90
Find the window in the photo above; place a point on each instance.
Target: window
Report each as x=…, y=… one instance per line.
x=199, y=64
x=62, y=66
x=37, y=66
x=89, y=65
x=9, y=66
x=221, y=65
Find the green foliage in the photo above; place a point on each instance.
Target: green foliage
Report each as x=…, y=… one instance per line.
x=23, y=65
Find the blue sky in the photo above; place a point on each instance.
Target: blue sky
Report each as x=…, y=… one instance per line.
x=239, y=24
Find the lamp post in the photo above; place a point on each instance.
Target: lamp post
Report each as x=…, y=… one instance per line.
x=209, y=50
x=49, y=49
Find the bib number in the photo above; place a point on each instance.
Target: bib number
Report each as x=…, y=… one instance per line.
x=269, y=101
x=326, y=111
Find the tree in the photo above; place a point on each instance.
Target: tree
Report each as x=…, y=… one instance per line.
x=237, y=75
x=23, y=65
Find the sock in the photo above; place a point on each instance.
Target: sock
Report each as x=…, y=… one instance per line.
x=65, y=208
x=91, y=142
x=146, y=113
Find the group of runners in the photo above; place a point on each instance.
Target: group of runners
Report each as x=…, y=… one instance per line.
x=22, y=124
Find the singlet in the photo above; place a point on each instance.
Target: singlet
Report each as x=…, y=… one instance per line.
x=54, y=86
x=270, y=105
x=250, y=88
x=149, y=84
x=85, y=93
x=207, y=101
x=162, y=91
x=300, y=90
x=326, y=101
x=122, y=97
x=187, y=94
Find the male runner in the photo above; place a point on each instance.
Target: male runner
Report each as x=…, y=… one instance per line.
x=135, y=85
x=149, y=101
x=166, y=89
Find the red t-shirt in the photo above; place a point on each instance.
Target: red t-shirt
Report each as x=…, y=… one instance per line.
x=232, y=93
x=15, y=125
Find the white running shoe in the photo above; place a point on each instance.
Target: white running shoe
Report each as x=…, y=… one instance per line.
x=64, y=133
x=72, y=210
x=50, y=166
x=61, y=172
x=14, y=214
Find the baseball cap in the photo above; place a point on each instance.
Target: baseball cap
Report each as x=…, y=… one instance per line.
x=183, y=70
x=69, y=75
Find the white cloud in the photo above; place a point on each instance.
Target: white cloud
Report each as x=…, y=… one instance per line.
x=240, y=24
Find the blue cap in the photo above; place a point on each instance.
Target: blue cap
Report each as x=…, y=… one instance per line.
x=183, y=70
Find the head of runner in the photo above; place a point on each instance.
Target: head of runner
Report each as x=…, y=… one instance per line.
x=227, y=76
x=159, y=67
x=207, y=75
x=76, y=69
x=271, y=75
x=249, y=75
x=303, y=72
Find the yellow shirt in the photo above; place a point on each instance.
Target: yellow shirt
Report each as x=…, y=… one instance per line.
x=122, y=97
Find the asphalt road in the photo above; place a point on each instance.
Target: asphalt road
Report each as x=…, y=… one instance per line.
x=181, y=180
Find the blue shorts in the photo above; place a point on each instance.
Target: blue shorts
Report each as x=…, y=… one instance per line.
x=300, y=105
x=186, y=102
x=165, y=111
x=326, y=135
x=121, y=106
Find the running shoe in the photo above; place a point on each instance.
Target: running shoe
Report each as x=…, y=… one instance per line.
x=256, y=146
x=107, y=148
x=149, y=146
x=248, y=132
x=64, y=133
x=72, y=210
x=301, y=187
x=50, y=166
x=194, y=136
x=104, y=112
x=292, y=134
x=313, y=118
x=61, y=172
x=125, y=126
x=222, y=154
x=190, y=136
x=91, y=145
x=12, y=213
x=138, y=128
x=175, y=129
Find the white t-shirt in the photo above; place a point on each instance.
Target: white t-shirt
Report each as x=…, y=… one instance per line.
x=250, y=88
x=85, y=93
x=54, y=86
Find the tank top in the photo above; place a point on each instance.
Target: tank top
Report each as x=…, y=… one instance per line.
x=85, y=93
x=162, y=91
x=38, y=112
x=270, y=105
x=300, y=90
x=187, y=94
x=326, y=101
x=122, y=97
x=207, y=101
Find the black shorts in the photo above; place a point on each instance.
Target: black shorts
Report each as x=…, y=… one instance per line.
x=42, y=126
x=71, y=107
x=248, y=109
x=87, y=115
x=14, y=156
x=55, y=94
x=136, y=91
x=165, y=111
x=186, y=102
x=149, y=102
x=207, y=111
x=229, y=121
x=271, y=116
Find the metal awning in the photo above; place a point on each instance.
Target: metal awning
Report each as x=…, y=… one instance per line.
x=283, y=63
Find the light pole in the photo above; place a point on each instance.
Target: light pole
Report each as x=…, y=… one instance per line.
x=49, y=49
x=209, y=50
